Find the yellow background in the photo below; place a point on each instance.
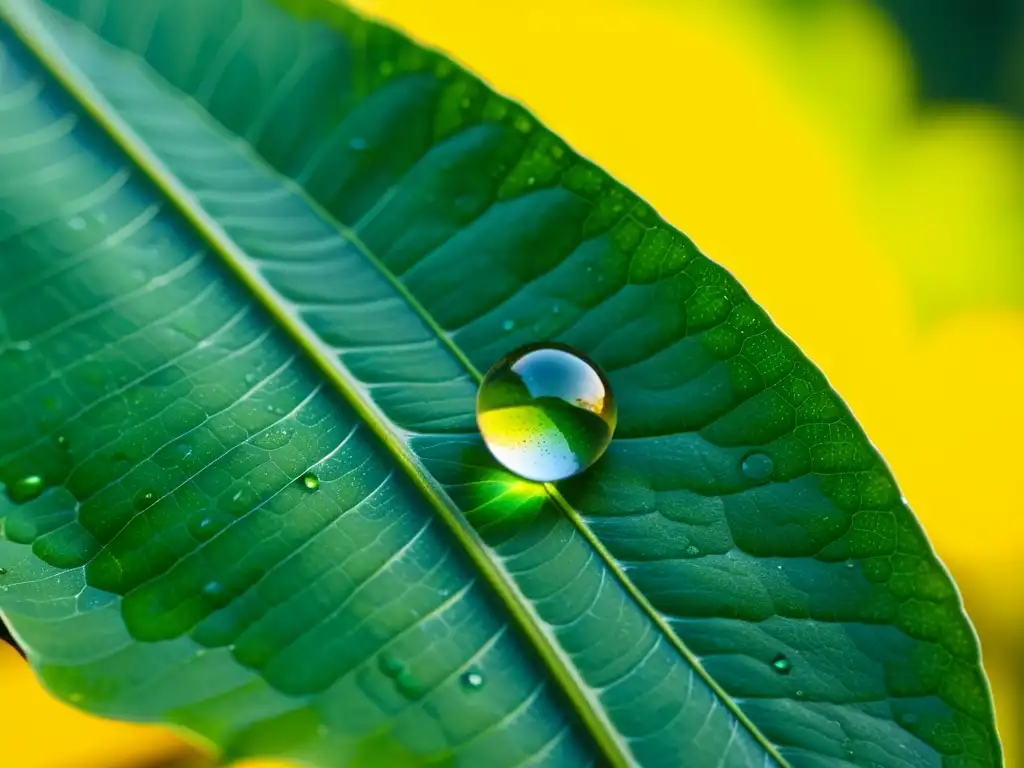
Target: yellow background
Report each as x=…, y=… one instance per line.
x=886, y=240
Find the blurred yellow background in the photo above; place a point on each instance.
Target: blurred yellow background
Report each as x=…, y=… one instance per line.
x=886, y=236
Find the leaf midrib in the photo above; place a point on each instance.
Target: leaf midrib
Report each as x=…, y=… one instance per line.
x=589, y=709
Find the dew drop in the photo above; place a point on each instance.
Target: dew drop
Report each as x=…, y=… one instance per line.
x=250, y=378
x=216, y=593
x=472, y=680
x=311, y=481
x=3, y=571
x=389, y=664
x=408, y=685
x=77, y=223
x=782, y=664
x=758, y=467
x=508, y=325
x=546, y=412
x=144, y=500
x=26, y=489
x=62, y=442
x=203, y=528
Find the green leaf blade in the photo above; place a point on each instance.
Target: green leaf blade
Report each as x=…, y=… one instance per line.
x=449, y=203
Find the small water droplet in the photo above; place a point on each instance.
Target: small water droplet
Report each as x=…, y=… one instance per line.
x=62, y=442
x=508, y=325
x=76, y=698
x=144, y=500
x=271, y=408
x=250, y=378
x=358, y=143
x=523, y=124
x=216, y=593
x=386, y=68
x=389, y=664
x=909, y=718
x=22, y=346
x=799, y=694
x=465, y=103
x=472, y=680
x=77, y=223
x=26, y=489
x=531, y=181
x=782, y=664
x=850, y=564
x=408, y=685
x=556, y=308
x=546, y=412
x=3, y=571
x=311, y=481
x=203, y=528
x=758, y=467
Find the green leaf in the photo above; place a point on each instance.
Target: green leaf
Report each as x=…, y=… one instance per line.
x=256, y=256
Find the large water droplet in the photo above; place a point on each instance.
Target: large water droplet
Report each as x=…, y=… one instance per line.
x=25, y=489
x=311, y=481
x=472, y=680
x=758, y=467
x=546, y=412
x=782, y=664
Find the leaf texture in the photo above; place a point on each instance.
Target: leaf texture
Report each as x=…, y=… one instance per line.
x=245, y=241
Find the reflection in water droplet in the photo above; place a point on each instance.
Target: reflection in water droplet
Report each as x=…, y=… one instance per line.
x=758, y=467
x=25, y=489
x=311, y=481
x=216, y=593
x=472, y=680
x=144, y=500
x=546, y=412
x=782, y=664
x=203, y=528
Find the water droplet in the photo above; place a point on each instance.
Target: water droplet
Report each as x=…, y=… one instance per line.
x=358, y=143
x=203, y=528
x=556, y=308
x=144, y=500
x=62, y=442
x=216, y=593
x=243, y=501
x=850, y=564
x=408, y=685
x=546, y=412
x=523, y=124
x=465, y=103
x=758, y=467
x=909, y=719
x=508, y=325
x=782, y=664
x=386, y=68
x=26, y=489
x=22, y=346
x=77, y=223
x=472, y=680
x=390, y=665
x=311, y=481
x=799, y=694
x=531, y=181
x=3, y=571
x=250, y=378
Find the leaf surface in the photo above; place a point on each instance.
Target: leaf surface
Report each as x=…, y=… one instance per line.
x=246, y=242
